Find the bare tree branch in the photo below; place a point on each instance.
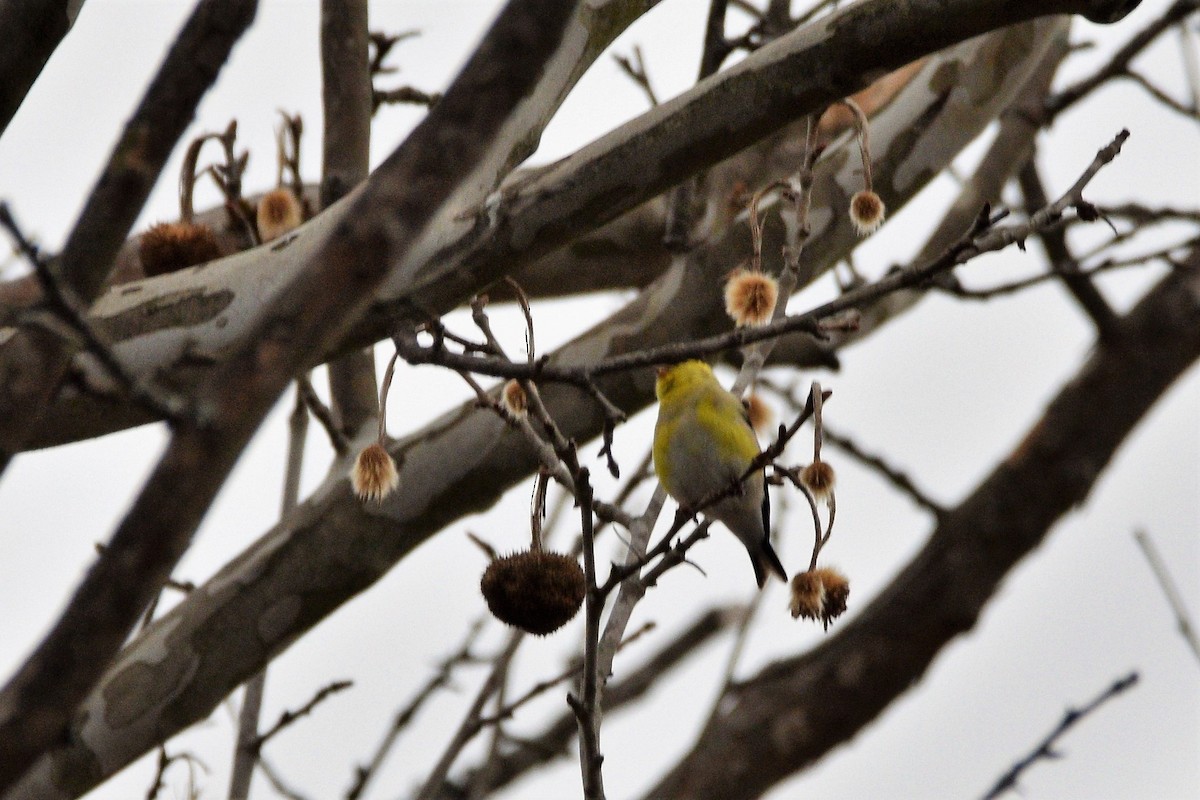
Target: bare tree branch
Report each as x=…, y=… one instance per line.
x=449, y=148
x=521, y=756
x=37, y=702
x=42, y=25
x=1183, y=619
x=533, y=216
x=346, y=156
x=1045, y=749
x=1062, y=261
x=1118, y=65
x=807, y=699
x=337, y=530
x=190, y=68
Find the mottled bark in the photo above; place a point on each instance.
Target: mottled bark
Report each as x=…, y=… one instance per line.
x=333, y=547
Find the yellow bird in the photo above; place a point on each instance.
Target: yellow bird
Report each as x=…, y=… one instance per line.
x=703, y=442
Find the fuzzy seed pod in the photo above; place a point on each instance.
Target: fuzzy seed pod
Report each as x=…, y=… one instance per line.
x=866, y=212
x=820, y=594
x=534, y=590
x=171, y=246
x=278, y=213
x=750, y=297
x=374, y=475
x=819, y=478
x=515, y=400
x=807, y=594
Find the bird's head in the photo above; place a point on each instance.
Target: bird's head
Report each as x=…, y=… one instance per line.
x=681, y=377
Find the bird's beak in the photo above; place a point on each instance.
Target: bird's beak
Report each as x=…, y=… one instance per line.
x=661, y=371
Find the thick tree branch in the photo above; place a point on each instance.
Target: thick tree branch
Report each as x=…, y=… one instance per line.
x=32, y=31
x=1118, y=65
x=346, y=155
x=37, y=702
x=35, y=360
x=795, y=75
x=810, y=702
x=460, y=463
x=460, y=138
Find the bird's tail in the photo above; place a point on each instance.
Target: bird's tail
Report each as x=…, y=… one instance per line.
x=765, y=560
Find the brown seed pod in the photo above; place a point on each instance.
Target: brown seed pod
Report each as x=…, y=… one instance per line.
x=820, y=594
x=750, y=297
x=819, y=478
x=533, y=590
x=171, y=246
x=279, y=212
x=866, y=212
x=374, y=475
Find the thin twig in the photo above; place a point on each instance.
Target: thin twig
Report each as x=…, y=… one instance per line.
x=164, y=763
x=409, y=95
x=245, y=755
x=1160, y=96
x=742, y=630
x=277, y=783
x=896, y=477
x=1062, y=261
x=635, y=69
x=541, y=687
x=323, y=415
x=986, y=237
x=469, y=726
x=405, y=716
x=553, y=741
x=289, y=717
x=586, y=704
x=1183, y=620
x=1191, y=64
x=1045, y=749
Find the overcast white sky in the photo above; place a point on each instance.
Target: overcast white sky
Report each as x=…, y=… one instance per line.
x=944, y=394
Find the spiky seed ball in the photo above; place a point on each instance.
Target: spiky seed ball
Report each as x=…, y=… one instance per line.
x=820, y=594
x=807, y=594
x=819, y=478
x=750, y=297
x=759, y=413
x=278, y=213
x=515, y=400
x=374, y=475
x=837, y=590
x=534, y=590
x=172, y=246
x=866, y=212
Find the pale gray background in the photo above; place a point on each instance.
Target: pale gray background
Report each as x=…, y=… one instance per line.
x=944, y=393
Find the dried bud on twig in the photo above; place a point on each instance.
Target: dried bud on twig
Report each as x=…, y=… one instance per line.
x=171, y=246
x=819, y=594
x=278, y=213
x=750, y=297
x=374, y=476
x=819, y=478
x=866, y=212
x=515, y=399
x=534, y=590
